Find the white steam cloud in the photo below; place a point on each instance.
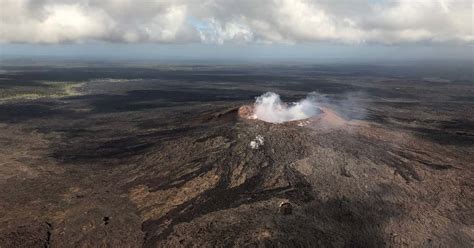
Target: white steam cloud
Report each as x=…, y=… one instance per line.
x=270, y=108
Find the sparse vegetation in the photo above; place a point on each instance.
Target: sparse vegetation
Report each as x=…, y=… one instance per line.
x=43, y=90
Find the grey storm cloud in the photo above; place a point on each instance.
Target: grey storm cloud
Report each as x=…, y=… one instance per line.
x=240, y=21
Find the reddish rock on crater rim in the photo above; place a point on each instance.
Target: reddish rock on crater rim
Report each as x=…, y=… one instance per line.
x=247, y=112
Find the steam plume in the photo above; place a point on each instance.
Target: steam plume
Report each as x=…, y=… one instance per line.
x=270, y=108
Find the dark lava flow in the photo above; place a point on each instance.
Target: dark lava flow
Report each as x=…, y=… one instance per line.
x=164, y=160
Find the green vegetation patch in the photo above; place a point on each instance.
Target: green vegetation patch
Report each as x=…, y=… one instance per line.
x=45, y=90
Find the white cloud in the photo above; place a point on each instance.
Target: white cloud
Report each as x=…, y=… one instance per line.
x=213, y=32
x=215, y=21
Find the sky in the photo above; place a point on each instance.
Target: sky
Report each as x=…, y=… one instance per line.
x=240, y=29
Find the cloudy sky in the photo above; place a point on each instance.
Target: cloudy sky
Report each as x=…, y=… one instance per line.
x=180, y=27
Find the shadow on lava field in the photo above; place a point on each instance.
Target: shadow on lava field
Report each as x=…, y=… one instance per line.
x=154, y=157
